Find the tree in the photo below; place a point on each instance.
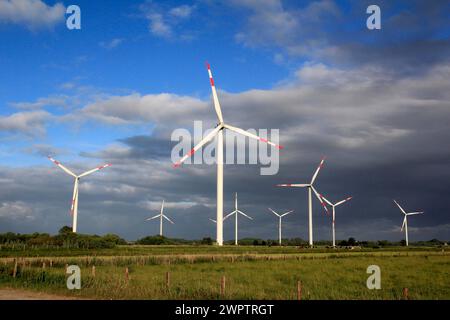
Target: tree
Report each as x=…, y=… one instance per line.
x=351, y=241
x=65, y=230
x=207, y=241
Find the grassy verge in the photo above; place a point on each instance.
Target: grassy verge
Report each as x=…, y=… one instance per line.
x=323, y=276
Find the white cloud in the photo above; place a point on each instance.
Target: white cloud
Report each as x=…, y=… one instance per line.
x=183, y=11
x=16, y=210
x=158, y=26
x=112, y=43
x=162, y=107
x=52, y=101
x=29, y=122
x=166, y=23
x=32, y=14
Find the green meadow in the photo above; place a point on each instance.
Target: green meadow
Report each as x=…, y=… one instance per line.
x=198, y=272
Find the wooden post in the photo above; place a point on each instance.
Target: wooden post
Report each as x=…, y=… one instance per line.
x=299, y=290
x=51, y=263
x=222, y=286
x=15, y=268
x=93, y=271
x=43, y=265
x=405, y=294
x=127, y=275
x=167, y=280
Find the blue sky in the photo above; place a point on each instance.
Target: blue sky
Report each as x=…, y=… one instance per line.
x=115, y=90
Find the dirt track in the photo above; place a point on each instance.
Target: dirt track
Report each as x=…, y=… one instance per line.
x=16, y=294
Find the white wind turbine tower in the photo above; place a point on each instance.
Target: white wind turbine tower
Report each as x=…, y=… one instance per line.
x=236, y=212
x=161, y=215
x=334, y=205
x=311, y=189
x=218, y=131
x=74, y=207
x=279, y=221
x=405, y=220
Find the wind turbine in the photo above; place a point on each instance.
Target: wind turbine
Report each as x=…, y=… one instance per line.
x=161, y=215
x=311, y=189
x=74, y=207
x=334, y=205
x=279, y=221
x=236, y=212
x=405, y=220
x=218, y=131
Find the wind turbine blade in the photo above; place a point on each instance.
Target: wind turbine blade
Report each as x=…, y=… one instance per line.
x=317, y=170
x=245, y=215
x=342, y=201
x=319, y=196
x=297, y=185
x=413, y=213
x=403, y=225
x=327, y=201
x=157, y=216
x=164, y=216
x=251, y=135
x=162, y=207
x=286, y=213
x=199, y=145
x=93, y=170
x=62, y=167
x=400, y=207
x=214, y=93
x=212, y=220
x=274, y=212
x=75, y=195
x=229, y=215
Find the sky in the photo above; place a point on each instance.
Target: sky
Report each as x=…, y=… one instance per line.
x=376, y=103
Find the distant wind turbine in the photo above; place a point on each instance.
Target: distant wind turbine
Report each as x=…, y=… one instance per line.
x=405, y=220
x=218, y=131
x=311, y=188
x=161, y=215
x=74, y=206
x=279, y=221
x=236, y=212
x=334, y=215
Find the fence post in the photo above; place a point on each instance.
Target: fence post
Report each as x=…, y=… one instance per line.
x=127, y=275
x=93, y=271
x=299, y=290
x=51, y=263
x=15, y=268
x=43, y=265
x=167, y=280
x=405, y=293
x=222, y=286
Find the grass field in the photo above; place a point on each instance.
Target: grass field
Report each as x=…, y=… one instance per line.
x=250, y=272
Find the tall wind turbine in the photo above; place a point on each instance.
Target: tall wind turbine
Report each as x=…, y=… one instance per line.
x=74, y=207
x=236, y=212
x=218, y=131
x=405, y=220
x=311, y=189
x=334, y=205
x=279, y=221
x=161, y=215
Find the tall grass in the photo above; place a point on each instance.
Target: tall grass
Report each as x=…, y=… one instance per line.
x=250, y=276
